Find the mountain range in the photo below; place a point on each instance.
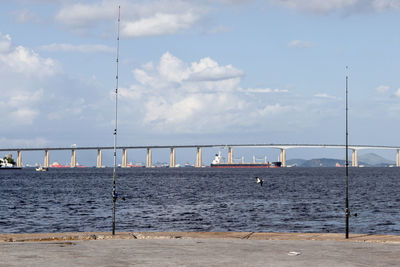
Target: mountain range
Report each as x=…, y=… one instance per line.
x=368, y=160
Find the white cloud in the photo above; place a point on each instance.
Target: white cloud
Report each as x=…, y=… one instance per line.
x=275, y=109
x=299, y=44
x=317, y=6
x=209, y=70
x=159, y=24
x=382, y=89
x=20, y=69
x=42, y=1
x=397, y=93
x=132, y=93
x=264, y=90
x=21, y=105
x=24, y=115
x=24, y=60
x=24, y=98
x=171, y=71
x=348, y=6
x=231, y=2
x=21, y=72
x=324, y=95
x=201, y=96
x=96, y=48
x=5, y=43
x=78, y=15
x=382, y=5
x=147, y=18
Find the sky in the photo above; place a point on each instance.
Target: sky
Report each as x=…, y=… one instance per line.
x=199, y=72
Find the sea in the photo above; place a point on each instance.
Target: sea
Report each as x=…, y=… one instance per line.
x=300, y=200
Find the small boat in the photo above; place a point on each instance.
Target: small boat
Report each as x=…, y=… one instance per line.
x=42, y=169
x=5, y=165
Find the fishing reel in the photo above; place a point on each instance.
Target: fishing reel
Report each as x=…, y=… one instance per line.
x=349, y=214
x=115, y=196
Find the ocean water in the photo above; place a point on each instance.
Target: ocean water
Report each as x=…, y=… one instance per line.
x=200, y=199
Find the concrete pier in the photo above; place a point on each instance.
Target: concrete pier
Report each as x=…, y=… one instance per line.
x=73, y=158
x=124, y=163
x=199, y=156
x=354, y=158
x=198, y=249
x=230, y=155
x=149, y=158
x=99, y=163
x=19, y=158
x=283, y=157
x=172, y=157
x=46, y=162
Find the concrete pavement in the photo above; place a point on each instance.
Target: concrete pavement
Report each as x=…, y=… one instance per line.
x=198, y=249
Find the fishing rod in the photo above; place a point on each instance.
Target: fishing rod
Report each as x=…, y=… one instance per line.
x=114, y=192
x=347, y=211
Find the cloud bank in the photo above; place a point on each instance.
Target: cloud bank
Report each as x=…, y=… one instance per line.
x=19, y=59
x=138, y=19
x=166, y=17
x=21, y=72
x=36, y=93
x=347, y=6
x=201, y=96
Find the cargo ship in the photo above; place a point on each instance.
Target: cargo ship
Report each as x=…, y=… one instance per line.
x=217, y=163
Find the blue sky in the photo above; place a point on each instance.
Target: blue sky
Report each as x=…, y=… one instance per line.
x=199, y=72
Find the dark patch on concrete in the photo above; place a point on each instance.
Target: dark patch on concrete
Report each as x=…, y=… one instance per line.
x=248, y=235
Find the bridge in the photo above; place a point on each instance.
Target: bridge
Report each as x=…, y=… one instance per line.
x=199, y=148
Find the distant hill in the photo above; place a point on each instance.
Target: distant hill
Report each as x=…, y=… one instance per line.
x=374, y=160
x=295, y=162
x=320, y=162
x=323, y=162
x=370, y=159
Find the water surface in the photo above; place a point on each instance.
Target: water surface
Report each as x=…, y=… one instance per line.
x=200, y=199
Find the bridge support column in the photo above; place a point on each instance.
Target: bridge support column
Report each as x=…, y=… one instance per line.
x=230, y=155
x=19, y=158
x=199, y=158
x=354, y=158
x=73, y=158
x=172, y=158
x=149, y=158
x=283, y=157
x=99, y=158
x=124, y=162
x=398, y=158
x=46, y=162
